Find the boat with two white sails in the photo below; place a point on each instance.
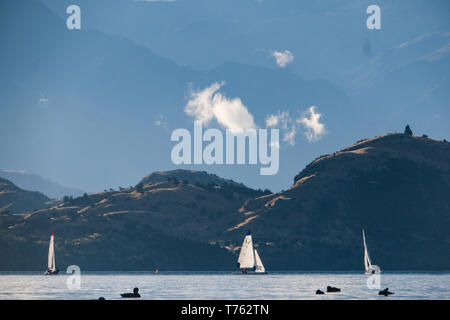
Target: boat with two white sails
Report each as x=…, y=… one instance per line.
x=249, y=261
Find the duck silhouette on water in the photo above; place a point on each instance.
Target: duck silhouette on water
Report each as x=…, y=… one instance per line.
x=385, y=292
x=135, y=294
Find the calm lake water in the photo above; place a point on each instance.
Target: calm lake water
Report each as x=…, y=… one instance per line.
x=178, y=285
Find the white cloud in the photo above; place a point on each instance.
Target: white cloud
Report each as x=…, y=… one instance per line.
x=208, y=104
x=311, y=122
x=282, y=58
x=289, y=135
x=283, y=121
x=200, y=103
x=272, y=120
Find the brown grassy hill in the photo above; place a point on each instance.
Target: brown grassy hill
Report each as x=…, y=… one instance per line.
x=397, y=187
x=192, y=176
x=167, y=224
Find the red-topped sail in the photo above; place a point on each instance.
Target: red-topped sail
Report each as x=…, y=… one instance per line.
x=51, y=266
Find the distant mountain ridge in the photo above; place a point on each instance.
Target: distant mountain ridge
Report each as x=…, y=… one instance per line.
x=14, y=200
x=33, y=182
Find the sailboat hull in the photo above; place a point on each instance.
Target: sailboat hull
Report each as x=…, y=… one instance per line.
x=249, y=273
x=50, y=273
x=373, y=269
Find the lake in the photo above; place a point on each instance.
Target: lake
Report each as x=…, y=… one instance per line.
x=223, y=285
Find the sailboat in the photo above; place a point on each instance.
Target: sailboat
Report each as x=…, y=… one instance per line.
x=370, y=268
x=51, y=267
x=249, y=261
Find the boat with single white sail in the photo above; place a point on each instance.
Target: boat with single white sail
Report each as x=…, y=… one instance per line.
x=249, y=261
x=51, y=267
x=369, y=267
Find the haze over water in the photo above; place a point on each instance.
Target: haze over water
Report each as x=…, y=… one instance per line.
x=180, y=285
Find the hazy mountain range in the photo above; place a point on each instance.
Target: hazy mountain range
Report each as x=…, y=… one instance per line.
x=393, y=186
x=15, y=200
x=327, y=38
x=85, y=103
x=33, y=182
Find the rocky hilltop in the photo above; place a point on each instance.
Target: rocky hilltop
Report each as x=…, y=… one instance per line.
x=396, y=187
x=192, y=176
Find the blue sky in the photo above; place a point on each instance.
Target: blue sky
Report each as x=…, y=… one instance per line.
x=94, y=108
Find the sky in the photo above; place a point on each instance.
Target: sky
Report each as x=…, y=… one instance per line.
x=95, y=108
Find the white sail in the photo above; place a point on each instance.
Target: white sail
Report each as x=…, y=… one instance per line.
x=370, y=268
x=51, y=255
x=367, y=262
x=247, y=257
x=259, y=267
